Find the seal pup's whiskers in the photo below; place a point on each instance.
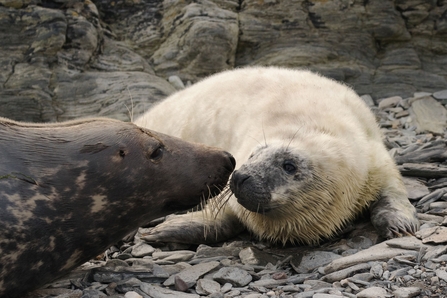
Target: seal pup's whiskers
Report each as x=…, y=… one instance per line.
x=131, y=108
x=263, y=133
x=292, y=138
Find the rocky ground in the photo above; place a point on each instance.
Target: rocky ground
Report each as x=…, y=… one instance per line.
x=356, y=264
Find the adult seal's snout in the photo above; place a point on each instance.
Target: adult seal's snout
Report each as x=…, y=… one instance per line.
x=232, y=165
x=68, y=191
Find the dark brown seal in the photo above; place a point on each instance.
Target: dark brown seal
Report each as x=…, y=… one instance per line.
x=68, y=191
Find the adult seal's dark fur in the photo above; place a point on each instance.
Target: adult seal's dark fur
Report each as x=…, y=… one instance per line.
x=68, y=191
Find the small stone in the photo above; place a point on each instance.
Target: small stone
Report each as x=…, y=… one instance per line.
x=192, y=274
x=441, y=95
x=437, y=235
x=158, y=271
x=268, y=283
x=368, y=100
x=180, y=284
x=402, y=114
x=253, y=256
x=373, y=292
x=406, y=292
x=91, y=293
x=160, y=255
x=389, y=102
x=226, y=287
x=216, y=295
x=415, y=187
x=364, y=277
x=279, y=275
x=312, y=260
x=430, y=115
x=233, y=275
x=131, y=282
x=204, y=251
x=321, y=295
x=377, y=252
x=156, y=291
x=176, y=82
x=142, y=249
x=317, y=284
x=359, y=242
x=434, y=280
x=132, y=294
x=207, y=287
x=421, y=94
x=442, y=274
x=344, y=273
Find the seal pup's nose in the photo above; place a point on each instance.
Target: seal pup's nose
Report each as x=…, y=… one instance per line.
x=237, y=179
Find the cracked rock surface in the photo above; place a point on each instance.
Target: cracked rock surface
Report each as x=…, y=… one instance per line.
x=65, y=59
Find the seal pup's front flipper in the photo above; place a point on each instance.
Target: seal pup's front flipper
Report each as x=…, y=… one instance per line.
x=392, y=214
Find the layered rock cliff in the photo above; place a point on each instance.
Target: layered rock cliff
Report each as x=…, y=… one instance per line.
x=64, y=59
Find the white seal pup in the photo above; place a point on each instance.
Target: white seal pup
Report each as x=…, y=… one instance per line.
x=309, y=152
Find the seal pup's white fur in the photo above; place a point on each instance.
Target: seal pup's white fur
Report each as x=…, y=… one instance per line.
x=325, y=129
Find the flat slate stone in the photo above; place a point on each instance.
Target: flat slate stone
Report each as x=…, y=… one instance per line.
x=442, y=95
x=192, y=274
x=430, y=115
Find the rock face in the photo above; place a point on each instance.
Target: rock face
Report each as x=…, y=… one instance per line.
x=64, y=59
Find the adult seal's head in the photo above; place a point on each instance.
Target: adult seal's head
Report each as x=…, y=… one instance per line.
x=70, y=190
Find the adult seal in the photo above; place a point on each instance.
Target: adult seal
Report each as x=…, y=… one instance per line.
x=310, y=156
x=68, y=191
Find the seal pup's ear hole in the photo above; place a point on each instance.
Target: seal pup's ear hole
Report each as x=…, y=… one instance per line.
x=122, y=153
x=289, y=167
x=157, y=154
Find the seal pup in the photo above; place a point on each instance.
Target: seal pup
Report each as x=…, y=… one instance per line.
x=68, y=191
x=309, y=152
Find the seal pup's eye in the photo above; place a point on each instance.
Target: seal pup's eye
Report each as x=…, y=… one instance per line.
x=289, y=167
x=157, y=153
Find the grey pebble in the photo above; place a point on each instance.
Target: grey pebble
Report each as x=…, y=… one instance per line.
x=207, y=287
x=373, y=292
x=155, y=291
x=442, y=274
x=312, y=260
x=344, y=273
x=441, y=95
x=192, y=274
x=142, y=249
x=319, y=295
x=233, y=275
x=254, y=256
x=406, y=292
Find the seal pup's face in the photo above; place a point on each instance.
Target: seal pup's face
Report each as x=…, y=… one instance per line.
x=270, y=176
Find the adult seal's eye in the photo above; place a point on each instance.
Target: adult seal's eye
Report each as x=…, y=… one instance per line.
x=157, y=154
x=289, y=167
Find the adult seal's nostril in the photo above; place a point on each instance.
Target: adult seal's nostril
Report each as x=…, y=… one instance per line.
x=232, y=161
